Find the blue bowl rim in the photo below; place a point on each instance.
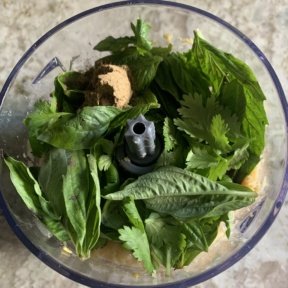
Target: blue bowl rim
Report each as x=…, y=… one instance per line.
x=212, y=271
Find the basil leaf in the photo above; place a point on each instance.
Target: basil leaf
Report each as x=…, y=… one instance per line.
x=56, y=228
x=51, y=179
x=25, y=184
x=72, y=131
x=93, y=210
x=30, y=192
x=173, y=181
x=131, y=212
x=75, y=191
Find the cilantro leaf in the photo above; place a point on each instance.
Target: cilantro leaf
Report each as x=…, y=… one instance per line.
x=136, y=240
x=104, y=162
x=218, y=130
x=209, y=122
x=169, y=133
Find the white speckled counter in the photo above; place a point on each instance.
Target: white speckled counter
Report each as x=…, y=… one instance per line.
x=264, y=21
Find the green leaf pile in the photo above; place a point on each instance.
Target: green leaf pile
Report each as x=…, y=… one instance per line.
x=207, y=107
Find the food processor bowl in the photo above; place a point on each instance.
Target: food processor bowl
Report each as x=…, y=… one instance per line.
x=71, y=44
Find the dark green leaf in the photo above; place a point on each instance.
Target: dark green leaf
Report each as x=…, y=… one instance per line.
x=166, y=240
x=132, y=113
x=113, y=215
x=114, y=44
x=72, y=131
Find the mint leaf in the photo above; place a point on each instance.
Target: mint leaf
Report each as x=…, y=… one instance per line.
x=136, y=240
x=182, y=194
x=114, y=44
x=141, y=31
x=166, y=240
x=176, y=76
x=240, y=82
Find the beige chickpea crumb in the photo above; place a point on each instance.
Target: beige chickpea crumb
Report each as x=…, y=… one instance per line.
x=252, y=180
x=112, y=87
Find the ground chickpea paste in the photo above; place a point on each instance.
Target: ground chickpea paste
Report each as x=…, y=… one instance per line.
x=145, y=156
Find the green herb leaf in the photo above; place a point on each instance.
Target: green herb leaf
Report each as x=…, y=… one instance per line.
x=131, y=113
x=30, y=192
x=169, y=133
x=51, y=179
x=183, y=194
x=94, y=210
x=242, y=84
x=141, y=30
x=167, y=241
x=114, y=44
x=136, y=240
x=25, y=184
x=76, y=191
x=132, y=213
x=71, y=131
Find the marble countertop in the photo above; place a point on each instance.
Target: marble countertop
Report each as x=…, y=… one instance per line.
x=264, y=21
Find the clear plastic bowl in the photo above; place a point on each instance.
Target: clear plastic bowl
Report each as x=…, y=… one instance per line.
x=74, y=39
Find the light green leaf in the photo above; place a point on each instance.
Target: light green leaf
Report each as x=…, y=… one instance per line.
x=219, y=130
x=169, y=134
x=28, y=188
x=132, y=213
x=75, y=191
x=93, y=209
x=104, y=162
x=136, y=240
